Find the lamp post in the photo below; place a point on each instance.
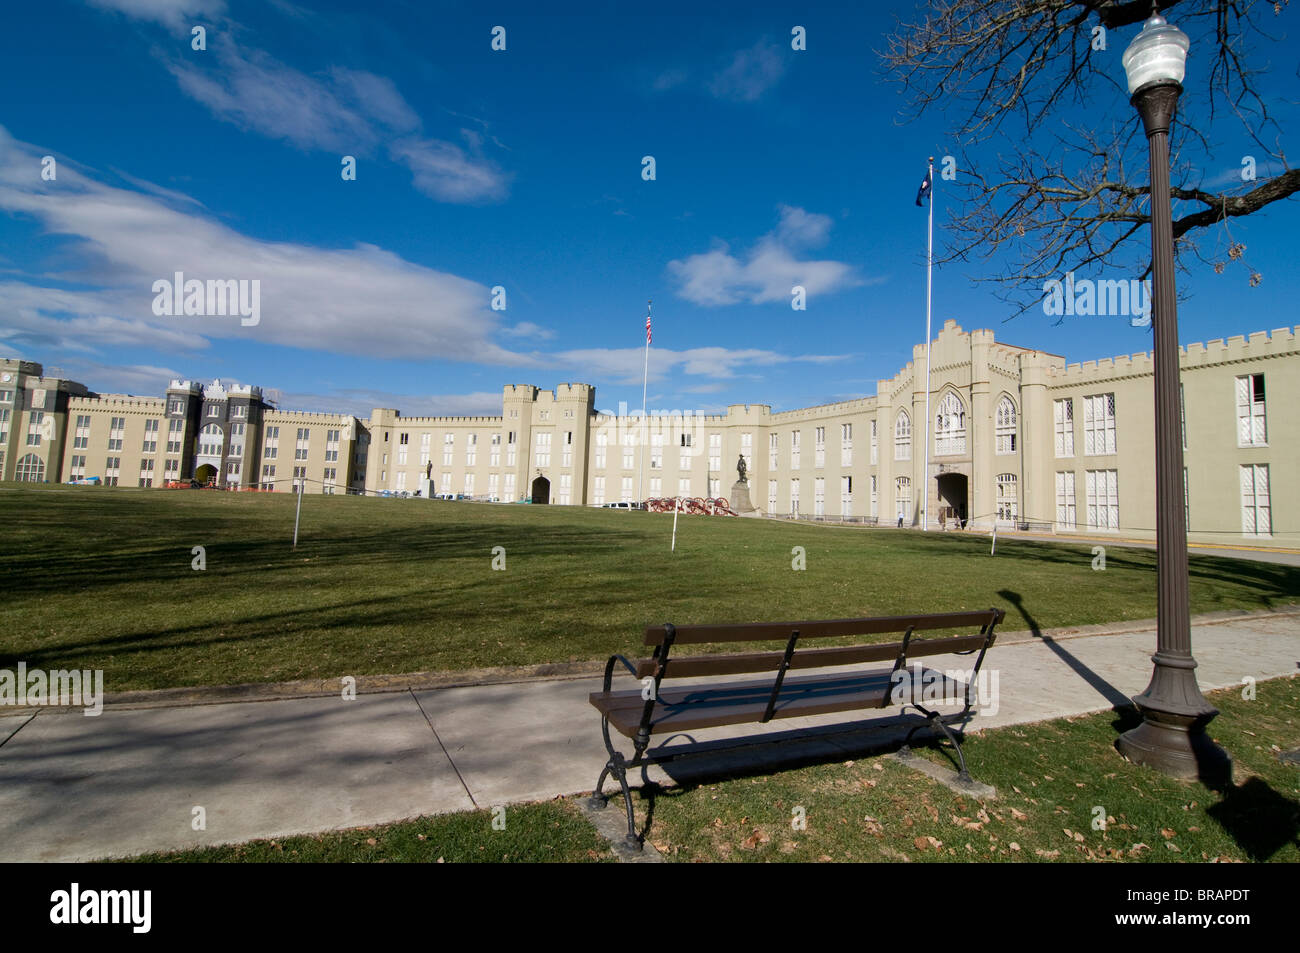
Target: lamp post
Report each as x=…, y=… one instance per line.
x=1172, y=737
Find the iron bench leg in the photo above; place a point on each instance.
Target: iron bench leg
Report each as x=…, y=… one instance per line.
x=934, y=720
x=617, y=766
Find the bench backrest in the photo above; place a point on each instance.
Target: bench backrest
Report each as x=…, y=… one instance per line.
x=665, y=636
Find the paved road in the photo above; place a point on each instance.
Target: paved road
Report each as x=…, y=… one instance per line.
x=75, y=787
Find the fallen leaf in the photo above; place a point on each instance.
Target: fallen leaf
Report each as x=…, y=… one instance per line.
x=1019, y=815
x=1168, y=833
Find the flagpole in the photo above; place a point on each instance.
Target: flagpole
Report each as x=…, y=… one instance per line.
x=645, y=379
x=925, y=433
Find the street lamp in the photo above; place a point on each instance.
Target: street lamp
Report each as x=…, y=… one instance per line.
x=1172, y=737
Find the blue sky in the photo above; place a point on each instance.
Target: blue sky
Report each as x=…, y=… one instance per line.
x=519, y=169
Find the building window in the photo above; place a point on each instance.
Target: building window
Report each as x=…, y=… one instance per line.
x=34, y=422
x=1067, y=516
x=566, y=451
x=819, y=496
x=846, y=445
x=602, y=444
x=175, y=435
x=747, y=451
x=819, y=448
x=598, y=491
x=1182, y=415
x=903, y=498
x=875, y=497
x=332, y=447
x=1099, y=425
x=715, y=452
x=176, y=407
x=510, y=486
x=543, y=455
x=268, y=477
x=846, y=495
x=494, y=485
x=950, y=426
x=1103, y=499
x=300, y=478
x=6, y=397
x=566, y=488
x=1006, y=426
x=81, y=438
x=236, y=440
x=112, y=470
x=771, y=497
x=446, y=484
x=30, y=469
x=656, y=486
x=794, y=496
x=272, y=442
x=494, y=451
x=171, y=469
x=1256, y=516
x=656, y=451
x=115, y=433
x=210, y=441
x=510, y=450
x=684, y=487
x=1251, y=428
x=239, y=411
x=4, y=426
x=627, y=490
x=471, y=449
x=902, y=436
x=1006, y=497
x=448, y=448
x=629, y=454
x=1063, y=411
x=469, y=485
x=78, y=468
x=875, y=449
x=146, y=473
x=330, y=481
x=300, y=445
x=773, y=449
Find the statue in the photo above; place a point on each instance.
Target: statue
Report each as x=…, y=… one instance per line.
x=428, y=470
x=741, y=468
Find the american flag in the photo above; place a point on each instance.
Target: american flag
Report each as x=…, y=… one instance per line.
x=647, y=328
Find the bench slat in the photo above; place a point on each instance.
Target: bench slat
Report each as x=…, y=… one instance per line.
x=823, y=628
x=684, y=709
x=694, y=666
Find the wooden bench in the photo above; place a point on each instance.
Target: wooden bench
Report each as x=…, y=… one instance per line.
x=651, y=709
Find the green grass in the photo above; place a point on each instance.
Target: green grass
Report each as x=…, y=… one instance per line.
x=102, y=578
x=1050, y=777
x=548, y=832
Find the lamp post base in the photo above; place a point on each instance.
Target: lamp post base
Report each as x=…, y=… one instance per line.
x=1176, y=744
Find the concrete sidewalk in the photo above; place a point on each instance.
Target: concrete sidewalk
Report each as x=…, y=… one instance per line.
x=77, y=788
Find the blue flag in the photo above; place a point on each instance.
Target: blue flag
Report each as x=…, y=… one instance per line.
x=924, y=190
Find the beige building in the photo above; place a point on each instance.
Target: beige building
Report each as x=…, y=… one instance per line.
x=1018, y=438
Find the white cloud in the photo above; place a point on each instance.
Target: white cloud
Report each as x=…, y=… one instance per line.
x=750, y=74
x=625, y=365
x=769, y=270
x=360, y=403
x=167, y=12
x=362, y=300
x=351, y=112
x=526, y=329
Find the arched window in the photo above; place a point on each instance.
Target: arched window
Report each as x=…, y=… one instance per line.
x=902, y=436
x=1006, y=426
x=210, y=441
x=30, y=469
x=950, y=426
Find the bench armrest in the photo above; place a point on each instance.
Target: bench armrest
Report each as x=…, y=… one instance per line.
x=609, y=669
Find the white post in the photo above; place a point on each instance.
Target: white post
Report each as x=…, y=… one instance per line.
x=297, y=515
x=677, y=507
x=993, y=548
x=925, y=432
x=645, y=378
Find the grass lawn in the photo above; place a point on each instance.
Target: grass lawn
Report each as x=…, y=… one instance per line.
x=551, y=831
x=1053, y=779
x=101, y=578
